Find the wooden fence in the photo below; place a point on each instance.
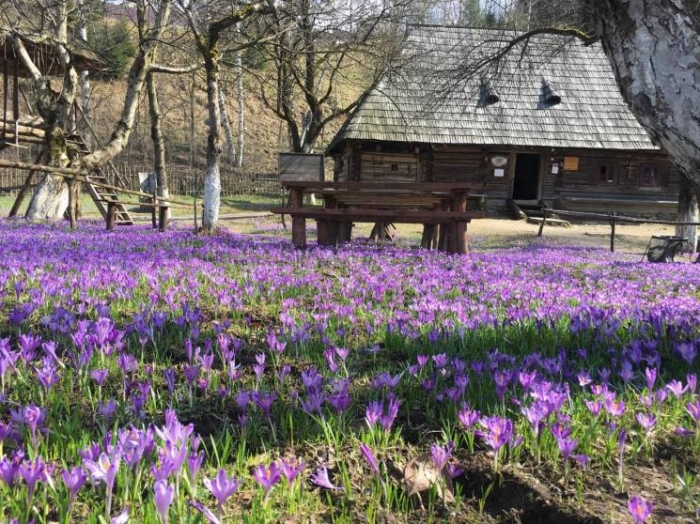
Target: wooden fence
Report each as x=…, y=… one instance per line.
x=183, y=181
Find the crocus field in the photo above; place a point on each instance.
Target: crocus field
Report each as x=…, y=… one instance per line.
x=173, y=377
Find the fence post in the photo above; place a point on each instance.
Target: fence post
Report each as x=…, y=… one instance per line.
x=612, y=232
x=544, y=219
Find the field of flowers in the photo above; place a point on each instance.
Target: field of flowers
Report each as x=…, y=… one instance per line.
x=150, y=377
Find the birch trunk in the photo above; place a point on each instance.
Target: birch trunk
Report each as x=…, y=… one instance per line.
x=226, y=123
x=158, y=145
x=241, y=108
x=688, y=212
x=212, y=176
x=50, y=199
x=654, y=49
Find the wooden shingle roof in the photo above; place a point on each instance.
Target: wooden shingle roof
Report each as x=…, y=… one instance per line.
x=549, y=92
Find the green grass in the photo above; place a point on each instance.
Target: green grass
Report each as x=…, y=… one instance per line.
x=229, y=205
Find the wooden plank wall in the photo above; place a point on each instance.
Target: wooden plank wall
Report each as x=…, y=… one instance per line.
x=584, y=181
x=389, y=167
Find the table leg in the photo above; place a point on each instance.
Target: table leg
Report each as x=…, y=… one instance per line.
x=459, y=228
x=322, y=232
x=296, y=199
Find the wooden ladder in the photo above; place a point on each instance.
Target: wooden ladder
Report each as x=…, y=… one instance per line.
x=100, y=195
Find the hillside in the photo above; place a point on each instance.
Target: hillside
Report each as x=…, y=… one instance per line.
x=265, y=134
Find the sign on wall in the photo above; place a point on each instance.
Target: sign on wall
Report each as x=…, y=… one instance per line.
x=570, y=163
x=499, y=161
x=300, y=167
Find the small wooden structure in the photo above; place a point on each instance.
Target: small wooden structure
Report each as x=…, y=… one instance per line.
x=443, y=209
x=17, y=130
x=543, y=124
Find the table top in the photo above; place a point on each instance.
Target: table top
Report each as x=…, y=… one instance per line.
x=373, y=186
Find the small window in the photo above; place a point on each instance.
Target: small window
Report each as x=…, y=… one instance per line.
x=652, y=176
x=394, y=167
x=607, y=174
x=570, y=163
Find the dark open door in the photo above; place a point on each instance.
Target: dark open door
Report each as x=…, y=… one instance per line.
x=527, y=173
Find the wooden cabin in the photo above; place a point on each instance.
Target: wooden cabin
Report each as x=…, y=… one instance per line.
x=543, y=123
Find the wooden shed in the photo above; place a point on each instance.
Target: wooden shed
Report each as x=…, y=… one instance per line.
x=544, y=122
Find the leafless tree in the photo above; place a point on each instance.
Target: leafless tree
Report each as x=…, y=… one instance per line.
x=326, y=43
x=50, y=21
x=208, y=23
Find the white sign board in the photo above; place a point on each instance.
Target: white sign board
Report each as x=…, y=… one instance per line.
x=499, y=173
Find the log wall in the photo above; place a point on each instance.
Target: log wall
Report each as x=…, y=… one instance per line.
x=374, y=161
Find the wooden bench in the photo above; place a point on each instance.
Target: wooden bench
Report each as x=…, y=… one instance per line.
x=438, y=206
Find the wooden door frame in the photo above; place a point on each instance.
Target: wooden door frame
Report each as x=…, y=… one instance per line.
x=514, y=156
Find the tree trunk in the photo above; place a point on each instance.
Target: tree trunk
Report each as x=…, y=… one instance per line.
x=193, y=127
x=51, y=197
x=158, y=145
x=212, y=177
x=654, y=49
x=688, y=212
x=241, y=108
x=226, y=123
x=50, y=200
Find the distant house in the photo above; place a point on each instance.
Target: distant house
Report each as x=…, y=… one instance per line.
x=546, y=122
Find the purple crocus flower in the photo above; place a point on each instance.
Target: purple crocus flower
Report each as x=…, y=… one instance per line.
x=222, y=487
x=74, y=479
x=467, y=416
x=640, y=509
x=206, y=512
x=676, y=387
x=647, y=421
x=8, y=471
x=369, y=457
x=291, y=469
x=33, y=471
x=497, y=431
x=441, y=454
x=163, y=496
x=194, y=464
x=104, y=468
x=693, y=409
x=373, y=413
x=320, y=478
x=99, y=376
x=567, y=446
x=267, y=477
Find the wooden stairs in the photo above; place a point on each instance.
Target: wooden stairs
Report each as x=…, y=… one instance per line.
x=26, y=132
x=103, y=196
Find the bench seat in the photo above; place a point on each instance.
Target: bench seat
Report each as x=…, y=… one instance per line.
x=406, y=216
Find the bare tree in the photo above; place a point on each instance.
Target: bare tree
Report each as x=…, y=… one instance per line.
x=50, y=199
x=208, y=27
x=311, y=57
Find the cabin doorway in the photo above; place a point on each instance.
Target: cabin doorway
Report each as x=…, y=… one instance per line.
x=527, y=177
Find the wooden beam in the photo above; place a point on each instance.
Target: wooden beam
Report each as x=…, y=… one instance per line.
x=79, y=175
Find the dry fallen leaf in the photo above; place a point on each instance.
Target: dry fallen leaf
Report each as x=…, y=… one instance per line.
x=421, y=474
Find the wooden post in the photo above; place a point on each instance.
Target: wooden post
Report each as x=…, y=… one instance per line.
x=154, y=211
x=26, y=187
x=296, y=195
x=444, y=230
x=163, y=218
x=459, y=240
x=322, y=232
x=111, y=215
x=612, y=232
x=72, y=207
x=544, y=219
x=194, y=210
x=333, y=227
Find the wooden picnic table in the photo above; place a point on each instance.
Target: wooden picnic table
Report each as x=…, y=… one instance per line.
x=441, y=207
